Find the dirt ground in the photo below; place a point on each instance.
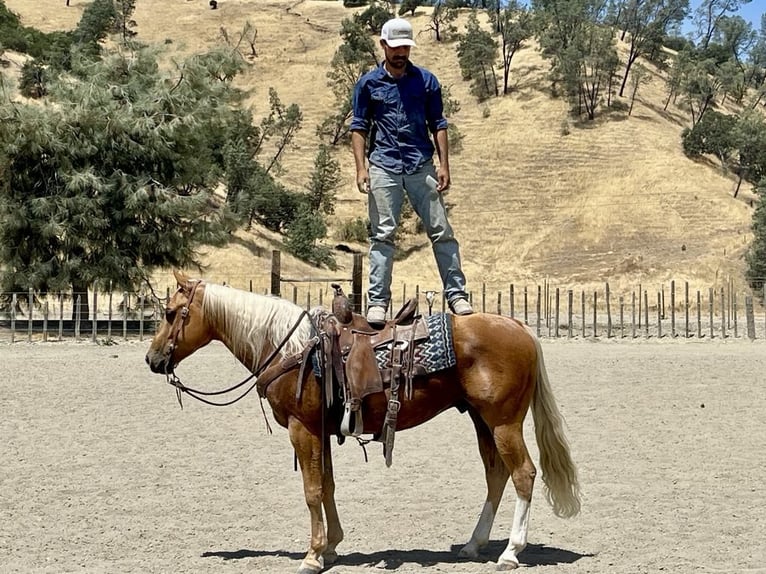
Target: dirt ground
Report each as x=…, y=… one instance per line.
x=103, y=473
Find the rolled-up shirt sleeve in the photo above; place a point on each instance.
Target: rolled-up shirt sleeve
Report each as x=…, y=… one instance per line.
x=435, y=107
x=360, y=120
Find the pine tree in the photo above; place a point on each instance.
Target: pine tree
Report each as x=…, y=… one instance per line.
x=756, y=254
x=117, y=176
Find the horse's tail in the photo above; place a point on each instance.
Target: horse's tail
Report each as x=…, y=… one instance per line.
x=559, y=471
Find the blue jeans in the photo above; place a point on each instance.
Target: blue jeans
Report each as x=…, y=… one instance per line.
x=385, y=200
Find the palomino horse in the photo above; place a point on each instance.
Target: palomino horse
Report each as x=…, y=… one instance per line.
x=498, y=375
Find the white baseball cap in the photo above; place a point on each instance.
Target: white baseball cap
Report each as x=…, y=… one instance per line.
x=397, y=32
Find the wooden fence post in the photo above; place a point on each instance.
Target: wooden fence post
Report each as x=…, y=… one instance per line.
x=61, y=316
x=539, y=309
x=639, y=305
x=622, y=317
x=699, y=314
x=77, y=312
x=483, y=297
x=723, y=313
x=595, y=314
x=13, y=318
x=356, y=283
x=499, y=303
x=276, y=273
x=526, y=296
x=633, y=311
x=94, y=334
x=141, y=318
x=556, y=316
x=646, y=313
x=673, y=308
x=659, y=315
x=109, y=321
x=570, y=301
x=512, y=295
x=686, y=309
x=750, y=317
x=734, y=308
x=711, y=296
x=582, y=308
x=45, y=321
x=31, y=305
x=608, y=314
x=125, y=303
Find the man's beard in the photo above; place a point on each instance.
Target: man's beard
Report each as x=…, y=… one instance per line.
x=397, y=62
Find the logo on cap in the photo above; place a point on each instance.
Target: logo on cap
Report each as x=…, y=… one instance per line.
x=397, y=32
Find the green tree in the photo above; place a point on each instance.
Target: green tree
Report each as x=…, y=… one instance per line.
x=713, y=134
x=707, y=17
x=281, y=125
x=97, y=20
x=588, y=66
x=325, y=180
x=756, y=253
x=700, y=85
x=116, y=177
x=750, y=141
x=123, y=22
x=408, y=6
x=477, y=53
x=646, y=22
x=355, y=56
x=303, y=236
x=374, y=17
x=514, y=24
x=442, y=20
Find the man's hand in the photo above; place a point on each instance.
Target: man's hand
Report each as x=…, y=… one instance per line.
x=363, y=181
x=443, y=177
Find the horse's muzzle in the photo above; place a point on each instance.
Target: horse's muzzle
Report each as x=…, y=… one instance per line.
x=159, y=363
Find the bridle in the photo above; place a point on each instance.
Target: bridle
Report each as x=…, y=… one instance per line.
x=173, y=379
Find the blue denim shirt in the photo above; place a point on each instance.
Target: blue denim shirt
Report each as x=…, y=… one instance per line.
x=398, y=115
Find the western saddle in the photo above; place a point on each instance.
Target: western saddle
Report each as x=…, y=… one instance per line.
x=348, y=346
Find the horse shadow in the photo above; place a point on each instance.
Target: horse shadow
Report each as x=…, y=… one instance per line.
x=533, y=555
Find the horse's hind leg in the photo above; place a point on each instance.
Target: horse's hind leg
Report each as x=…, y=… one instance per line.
x=334, y=530
x=509, y=439
x=496, y=474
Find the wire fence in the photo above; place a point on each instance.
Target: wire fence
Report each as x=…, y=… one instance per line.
x=666, y=312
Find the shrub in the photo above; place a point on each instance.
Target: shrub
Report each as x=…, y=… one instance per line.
x=357, y=230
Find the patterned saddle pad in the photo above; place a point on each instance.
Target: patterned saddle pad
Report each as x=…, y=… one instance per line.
x=435, y=353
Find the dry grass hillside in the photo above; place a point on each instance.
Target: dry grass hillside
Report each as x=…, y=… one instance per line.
x=535, y=195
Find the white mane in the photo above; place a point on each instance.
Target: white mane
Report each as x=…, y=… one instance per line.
x=250, y=321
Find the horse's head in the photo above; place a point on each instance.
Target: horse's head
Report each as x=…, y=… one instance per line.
x=183, y=330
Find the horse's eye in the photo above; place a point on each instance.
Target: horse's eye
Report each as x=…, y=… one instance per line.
x=170, y=315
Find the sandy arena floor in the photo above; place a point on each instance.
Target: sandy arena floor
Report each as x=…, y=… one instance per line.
x=103, y=473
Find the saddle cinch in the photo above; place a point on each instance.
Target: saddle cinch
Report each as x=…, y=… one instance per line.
x=348, y=357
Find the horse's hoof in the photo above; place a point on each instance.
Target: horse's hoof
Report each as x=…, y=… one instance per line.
x=470, y=550
x=330, y=557
x=311, y=566
x=506, y=565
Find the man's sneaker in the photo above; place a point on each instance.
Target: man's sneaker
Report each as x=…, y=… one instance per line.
x=376, y=315
x=461, y=307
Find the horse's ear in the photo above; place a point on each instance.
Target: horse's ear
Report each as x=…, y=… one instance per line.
x=182, y=278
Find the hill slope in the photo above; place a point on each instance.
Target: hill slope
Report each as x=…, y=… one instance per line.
x=534, y=195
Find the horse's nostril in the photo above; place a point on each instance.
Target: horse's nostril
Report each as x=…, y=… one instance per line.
x=146, y=358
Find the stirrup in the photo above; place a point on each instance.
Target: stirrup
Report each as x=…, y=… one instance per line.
x=351, y=424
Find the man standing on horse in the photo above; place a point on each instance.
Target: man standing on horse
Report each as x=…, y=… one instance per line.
x=397, y=105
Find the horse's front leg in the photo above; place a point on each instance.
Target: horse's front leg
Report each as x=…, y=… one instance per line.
x=334, y=530
x=308, y=448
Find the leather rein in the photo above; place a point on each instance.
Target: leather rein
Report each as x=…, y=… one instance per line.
x=173, y=379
